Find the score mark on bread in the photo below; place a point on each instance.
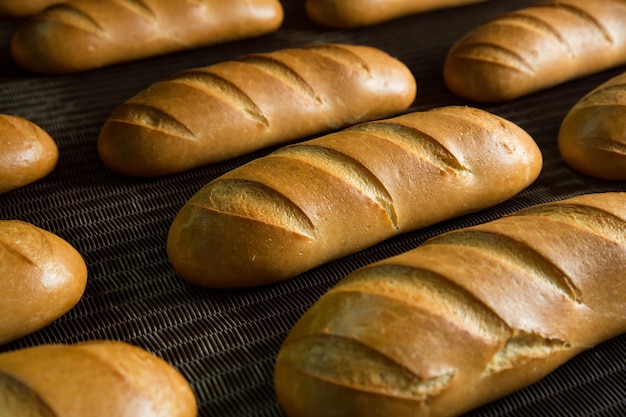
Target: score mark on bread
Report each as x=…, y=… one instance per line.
x=250, y=199
x=70, y=15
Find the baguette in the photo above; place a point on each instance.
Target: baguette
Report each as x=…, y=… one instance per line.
x=42, y=277
x=357, y=13
x=27, y=153
x=24, y=8
x=80, y=35
x=537, y=47
x=466, y=318
x=95, y=379
x=591, y=137
x=313, y=202
x=211, y=114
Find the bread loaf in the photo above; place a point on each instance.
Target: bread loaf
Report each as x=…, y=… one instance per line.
x=79, y=35
x=211, y=114
x=591, y=137
x=95, y=379
x=42, y=277
x=467, y=317
x=313, y=202
x=356, y=13
x=537, y=47
x=27, y=153
x=24, y=8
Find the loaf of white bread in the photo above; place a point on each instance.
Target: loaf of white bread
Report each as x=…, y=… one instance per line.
x=92, y=379
x=42, y=277
x=79, y=35
x=537, y=47
x=591, y=136
x=465, y=318
x=211, y=114
x=319, y=200
x=357, y=13
x=27, y=154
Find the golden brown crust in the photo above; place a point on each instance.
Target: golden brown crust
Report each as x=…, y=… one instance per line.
x=24, y=8
x=81, y=34
x=42, y=277
x=210, y=114
x=467, y=317
x=536, y=48
x=27, y=153
x=99, y=378
x=319, y=200
x=592, y=138
x=16, y=399
x=355, y=13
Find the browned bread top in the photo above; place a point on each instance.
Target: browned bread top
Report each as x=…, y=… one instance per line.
x=537, y=47
x=355, y=13
x=27, y=153
x=96, y=378
x=78, y=35
x=210, y=114
x=42, y=277
x=592, y=138
x=465, y=318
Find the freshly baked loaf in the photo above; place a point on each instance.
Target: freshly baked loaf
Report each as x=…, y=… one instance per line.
x=211, y=114
x=95, y=379
x=319, y=200
x=537, y=47
x=467, y=317
x=79, y=35
x=24, y=8
x=592, y=138
x=42, y=277
x=355, y=13
x=27, y=153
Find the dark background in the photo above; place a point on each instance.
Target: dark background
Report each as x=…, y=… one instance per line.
x=225, y=341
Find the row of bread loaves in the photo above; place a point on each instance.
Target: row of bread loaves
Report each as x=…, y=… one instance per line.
x=541, y=46
x=318, y=200
x=482, y=66
x=42, y=277
x=510, y=56
x=64, y=36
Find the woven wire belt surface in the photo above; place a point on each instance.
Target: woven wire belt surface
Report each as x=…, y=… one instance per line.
x=225, y=341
